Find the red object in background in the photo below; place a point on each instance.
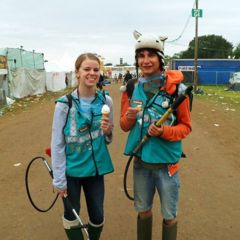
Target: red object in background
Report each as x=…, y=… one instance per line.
x=48, y=152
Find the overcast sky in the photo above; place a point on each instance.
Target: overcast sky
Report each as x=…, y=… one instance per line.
x=62, y=29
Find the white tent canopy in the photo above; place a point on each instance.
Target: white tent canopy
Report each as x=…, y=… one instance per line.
x=55, y=81
x=71, y=78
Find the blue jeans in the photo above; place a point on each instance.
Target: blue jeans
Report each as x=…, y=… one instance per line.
x=93, y=188
x=147, y=181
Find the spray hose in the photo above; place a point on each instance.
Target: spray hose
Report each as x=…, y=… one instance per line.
x=65, y=197
x=39, y=158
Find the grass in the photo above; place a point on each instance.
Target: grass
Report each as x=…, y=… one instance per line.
x=218, y=93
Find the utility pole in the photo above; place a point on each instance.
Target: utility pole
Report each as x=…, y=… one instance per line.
x=195, y=83
x=21, y=49
x=33, y=58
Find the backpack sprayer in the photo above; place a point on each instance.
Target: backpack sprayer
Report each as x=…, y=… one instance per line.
x=65, y=197
x=171, y=109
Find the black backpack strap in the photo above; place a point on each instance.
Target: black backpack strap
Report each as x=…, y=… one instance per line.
x=175, y=94
x=104, y=94
x=190, y=100
x=69, y=97
x=69, y=103
x=130, y=87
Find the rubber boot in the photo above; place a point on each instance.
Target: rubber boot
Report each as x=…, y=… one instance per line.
x=74, y=234
x=94, y=231
x=144, y=228
x=72, y=229
x=169, y=232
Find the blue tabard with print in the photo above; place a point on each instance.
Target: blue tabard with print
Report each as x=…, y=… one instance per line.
x=155, y=150
x=86, y=149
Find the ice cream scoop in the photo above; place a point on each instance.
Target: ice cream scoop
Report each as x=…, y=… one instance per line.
x=105, y=111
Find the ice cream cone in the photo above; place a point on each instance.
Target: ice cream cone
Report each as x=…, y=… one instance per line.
x=105, y=111
x=105, y=115
x=139, y=107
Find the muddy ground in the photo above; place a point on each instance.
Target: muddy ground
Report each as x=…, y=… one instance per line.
x=209, y=206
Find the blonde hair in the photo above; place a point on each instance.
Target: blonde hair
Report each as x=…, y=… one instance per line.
x=83, y=57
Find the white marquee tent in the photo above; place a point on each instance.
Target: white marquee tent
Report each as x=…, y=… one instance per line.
x=55, y=81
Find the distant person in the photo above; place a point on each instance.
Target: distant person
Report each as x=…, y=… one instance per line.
x=80, y=156
x=120, y=77
x=127, y=77
x=134, y=76
x=66, y=81
x=115, y=79
x=100, y=83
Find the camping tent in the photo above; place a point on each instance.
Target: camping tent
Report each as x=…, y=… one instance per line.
x=234, y=82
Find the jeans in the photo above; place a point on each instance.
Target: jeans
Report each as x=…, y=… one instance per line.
x=147, y=181
x=93, y=188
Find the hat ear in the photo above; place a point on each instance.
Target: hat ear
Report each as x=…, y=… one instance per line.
x=137, y=35
x=163, y=38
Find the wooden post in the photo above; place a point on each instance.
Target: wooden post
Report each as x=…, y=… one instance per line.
x=196, y=51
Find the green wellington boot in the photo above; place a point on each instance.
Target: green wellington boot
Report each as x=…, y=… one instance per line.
x=144, y=228
x=94, y=231
x=169, y=232
x=72, y=229
x=74, y=234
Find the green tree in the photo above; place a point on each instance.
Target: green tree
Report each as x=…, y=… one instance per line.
x=236, y=52
x=209, y=46
x=177, y=55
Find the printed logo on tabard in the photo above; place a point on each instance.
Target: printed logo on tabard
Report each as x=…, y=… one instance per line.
x=83, y=129
x=136, y=102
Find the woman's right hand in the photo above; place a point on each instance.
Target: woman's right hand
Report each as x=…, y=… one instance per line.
x=62, y=193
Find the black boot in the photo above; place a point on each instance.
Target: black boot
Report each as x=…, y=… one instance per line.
x=72, y=229
x=74, y=234
x=144, y=228
x=169, y=232
x=94, y=231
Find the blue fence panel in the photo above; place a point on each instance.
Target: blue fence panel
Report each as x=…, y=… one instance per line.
x=223, y=77
x=211, y=71
x=214, y=77
x=206, y=77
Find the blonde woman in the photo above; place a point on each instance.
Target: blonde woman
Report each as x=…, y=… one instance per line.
x=80, y=157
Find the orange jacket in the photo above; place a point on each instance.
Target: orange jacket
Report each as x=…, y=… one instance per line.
x=170, y=133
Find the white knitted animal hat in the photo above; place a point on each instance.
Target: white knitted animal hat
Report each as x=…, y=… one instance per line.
x=149, y=41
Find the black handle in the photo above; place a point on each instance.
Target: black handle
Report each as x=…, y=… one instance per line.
x=181, y=98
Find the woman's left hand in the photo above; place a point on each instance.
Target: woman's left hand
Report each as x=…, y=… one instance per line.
x=106, y=126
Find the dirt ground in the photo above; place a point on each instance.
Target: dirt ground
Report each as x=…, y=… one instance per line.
x=209, y=206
